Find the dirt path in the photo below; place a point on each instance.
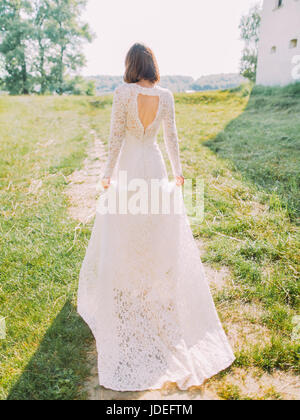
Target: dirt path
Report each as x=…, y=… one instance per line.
x=82, y=188
x=240, y=322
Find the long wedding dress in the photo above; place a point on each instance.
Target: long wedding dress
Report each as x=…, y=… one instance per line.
x=142, y=288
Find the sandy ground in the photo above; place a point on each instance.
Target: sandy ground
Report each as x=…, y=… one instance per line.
x=239, y=321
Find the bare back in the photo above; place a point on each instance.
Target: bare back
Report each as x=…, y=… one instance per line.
x=148, y=107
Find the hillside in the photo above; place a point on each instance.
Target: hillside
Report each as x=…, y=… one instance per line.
x=218, y=81
x=107, y=84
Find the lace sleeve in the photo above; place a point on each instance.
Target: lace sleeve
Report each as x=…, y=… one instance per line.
x=117, y=130
x=171, y=136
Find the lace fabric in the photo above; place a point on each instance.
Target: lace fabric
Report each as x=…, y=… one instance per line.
x=142, y=288
x=125, y=121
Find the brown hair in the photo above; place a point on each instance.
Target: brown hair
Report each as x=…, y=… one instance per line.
x=141, y=64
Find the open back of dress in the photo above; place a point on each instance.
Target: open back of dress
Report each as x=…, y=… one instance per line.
x=147, y=109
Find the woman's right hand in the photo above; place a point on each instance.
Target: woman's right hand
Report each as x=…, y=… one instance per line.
x=105, y=183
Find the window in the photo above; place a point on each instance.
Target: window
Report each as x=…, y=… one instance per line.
x=294, y=43
x=278, y=4
x=273, y=50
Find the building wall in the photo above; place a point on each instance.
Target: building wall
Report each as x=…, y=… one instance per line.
x=279, y=26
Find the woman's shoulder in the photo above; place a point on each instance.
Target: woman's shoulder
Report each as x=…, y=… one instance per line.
x=122, y=93
x=165, y=91
x=126, y=89
x=167, y=95
x=121, y=89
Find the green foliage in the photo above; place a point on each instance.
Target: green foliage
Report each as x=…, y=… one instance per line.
x=249, y=64
x=78, y=86
x=237, y=94
x=249, y=27
x=292, y=90
x=264, y=144
x=43, y=356
x=66, y=32
x=230, y=392
x=279, y=354
x=57, y=368
x=40, y=42
x=15, y=33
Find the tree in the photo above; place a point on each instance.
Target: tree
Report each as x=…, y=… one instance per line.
x=39, y=21
x=66, y=33
x=15, y=30
x=40, y=43
x=250, y=26
x=79, y=86
x=2, y=72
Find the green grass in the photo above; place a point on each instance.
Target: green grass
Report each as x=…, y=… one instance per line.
x=264, y=144
x=230, y=392
x=250, y=225
x=42, y=140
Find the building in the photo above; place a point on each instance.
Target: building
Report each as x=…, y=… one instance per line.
x=279, y=46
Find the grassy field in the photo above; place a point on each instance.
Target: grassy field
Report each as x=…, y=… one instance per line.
x=250, y=220
x=250, y=226
x=264, y=144
x=42, y=141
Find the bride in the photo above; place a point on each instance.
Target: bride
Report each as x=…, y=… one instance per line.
x=142, y=288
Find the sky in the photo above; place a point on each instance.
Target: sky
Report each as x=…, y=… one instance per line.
x=189, y=37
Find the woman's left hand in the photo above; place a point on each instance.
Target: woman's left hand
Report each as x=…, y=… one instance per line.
x=179, y=181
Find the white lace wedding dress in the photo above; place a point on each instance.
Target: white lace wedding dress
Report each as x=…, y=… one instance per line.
x=142, y=287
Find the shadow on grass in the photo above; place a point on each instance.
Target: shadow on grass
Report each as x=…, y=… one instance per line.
x=263, y=144
x=58, y=367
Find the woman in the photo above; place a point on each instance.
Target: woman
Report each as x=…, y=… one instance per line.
x=142, y=287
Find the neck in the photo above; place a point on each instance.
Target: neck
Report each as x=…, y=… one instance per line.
x=145, y=83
